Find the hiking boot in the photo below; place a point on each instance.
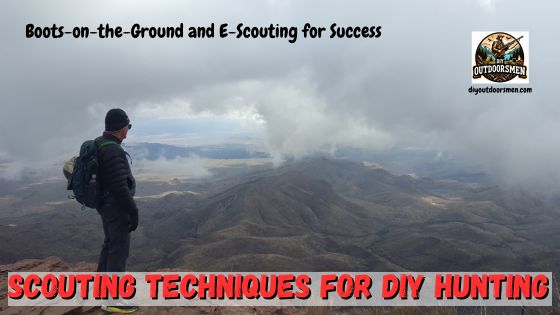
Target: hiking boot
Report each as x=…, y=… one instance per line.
x=119, y=309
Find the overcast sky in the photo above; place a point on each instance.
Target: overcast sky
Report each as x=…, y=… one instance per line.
x=406, y=88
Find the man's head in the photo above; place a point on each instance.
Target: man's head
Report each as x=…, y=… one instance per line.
x=117, y=123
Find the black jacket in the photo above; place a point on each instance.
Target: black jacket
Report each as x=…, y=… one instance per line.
x=117, y=183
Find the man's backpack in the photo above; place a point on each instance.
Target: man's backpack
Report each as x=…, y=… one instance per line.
x=82, y=171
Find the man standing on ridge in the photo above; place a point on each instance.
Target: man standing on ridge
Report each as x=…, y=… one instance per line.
x=117, y=207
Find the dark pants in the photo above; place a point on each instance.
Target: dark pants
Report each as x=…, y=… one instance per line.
x=117, y=239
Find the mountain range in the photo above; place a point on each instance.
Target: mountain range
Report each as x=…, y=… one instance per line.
x=312, y=215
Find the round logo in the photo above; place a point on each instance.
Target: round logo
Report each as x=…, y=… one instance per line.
x=499, y=58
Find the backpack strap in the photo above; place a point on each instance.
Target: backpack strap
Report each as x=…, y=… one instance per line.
x=106, y=143
x=109, y=142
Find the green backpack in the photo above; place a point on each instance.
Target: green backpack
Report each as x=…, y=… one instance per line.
x=81, y=172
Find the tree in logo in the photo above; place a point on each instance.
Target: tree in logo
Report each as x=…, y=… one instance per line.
x=499, y=58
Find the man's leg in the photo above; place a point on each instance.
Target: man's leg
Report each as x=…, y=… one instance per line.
x=115, y=250
x=102, y=263
x=119, y=241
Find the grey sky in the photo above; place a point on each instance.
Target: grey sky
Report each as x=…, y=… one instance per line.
x=408, y=87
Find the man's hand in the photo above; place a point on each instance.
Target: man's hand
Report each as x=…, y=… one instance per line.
x=133, y=224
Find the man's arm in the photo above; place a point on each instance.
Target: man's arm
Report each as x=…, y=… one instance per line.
x=115, y=170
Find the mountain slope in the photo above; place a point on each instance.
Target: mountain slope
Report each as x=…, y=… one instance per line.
x=312, y=215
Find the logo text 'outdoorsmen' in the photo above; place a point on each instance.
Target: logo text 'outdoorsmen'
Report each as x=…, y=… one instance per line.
x=500, y=57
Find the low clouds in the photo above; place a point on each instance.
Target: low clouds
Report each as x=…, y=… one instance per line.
x=180, y=168
x=408, y=87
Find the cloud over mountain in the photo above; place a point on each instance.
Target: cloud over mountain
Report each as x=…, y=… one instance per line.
x=407, y=87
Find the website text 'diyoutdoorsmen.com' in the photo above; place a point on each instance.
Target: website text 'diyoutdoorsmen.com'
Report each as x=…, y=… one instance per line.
x=498, y=90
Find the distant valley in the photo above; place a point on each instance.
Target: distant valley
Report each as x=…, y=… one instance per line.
x=314, y=214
